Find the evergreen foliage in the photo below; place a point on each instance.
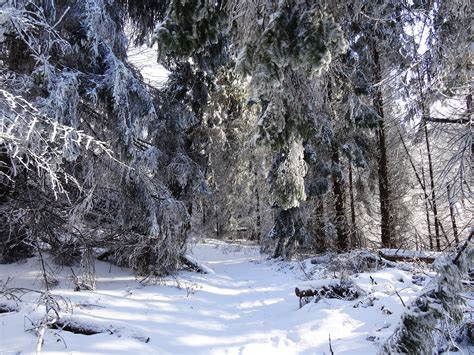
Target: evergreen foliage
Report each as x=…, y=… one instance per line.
x=78, y=81
x=190, y=27
x=295, y=123
x=442, y=300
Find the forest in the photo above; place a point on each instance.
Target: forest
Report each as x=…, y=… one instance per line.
x=242, y=158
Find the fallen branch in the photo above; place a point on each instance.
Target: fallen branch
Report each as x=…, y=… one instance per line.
x=332, y=289
x=69, y=325
x=409, y=259
x=330, y=345
x=408, y=256
x=195, y=265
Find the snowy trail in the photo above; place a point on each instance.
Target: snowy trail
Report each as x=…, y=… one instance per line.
x=248, y=306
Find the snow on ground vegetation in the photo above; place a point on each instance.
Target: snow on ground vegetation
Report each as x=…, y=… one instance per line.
x=246, y=305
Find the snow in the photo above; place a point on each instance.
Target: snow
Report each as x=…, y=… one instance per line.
x=245, y=305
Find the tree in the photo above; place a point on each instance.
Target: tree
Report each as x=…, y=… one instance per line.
x=278, y=67
x=69, y=62
x=435, y=109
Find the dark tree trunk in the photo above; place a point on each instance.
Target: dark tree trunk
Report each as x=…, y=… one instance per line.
x=5, y=167
x=432, y=185
x=282, y=222
x=216, y=215
x=338, y=190
x=257, y=208
x=287, y=230
x=342, y=242
x=353, y=238
x=384, y=188
x=453, y=217
x=203, y=214
x=319, y=232
x=430, y=235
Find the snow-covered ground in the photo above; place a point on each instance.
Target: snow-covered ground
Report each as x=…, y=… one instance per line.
x=248, y=305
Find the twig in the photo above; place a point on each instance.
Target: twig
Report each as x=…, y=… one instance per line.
x=300, y=264
x=401, y=300
x=330, y=345
x=62, y=16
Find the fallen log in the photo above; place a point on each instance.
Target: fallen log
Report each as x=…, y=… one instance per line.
x=328, y=289
x=4, y=308
x=78, y=327
x=409, y=255
x=194, y=265
x=305, y=293
x=410, y=259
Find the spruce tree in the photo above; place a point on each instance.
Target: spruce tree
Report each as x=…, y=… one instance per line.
x=68, y=62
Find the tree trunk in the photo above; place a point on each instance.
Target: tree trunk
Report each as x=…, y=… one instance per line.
x=257, y=208
x=287, y=230
x=384, y=190
x=203, y=214
x=319, y=232
x=425, y=112
x=338, y=190
x=342, y=242
x=430, y=236
x=216, y=214
x=433, y=193
x=353, y=235
x=5, y=166
x=282, y=220
x=453, y=217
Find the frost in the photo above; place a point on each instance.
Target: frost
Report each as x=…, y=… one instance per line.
x=287, y=180
x=441, y=300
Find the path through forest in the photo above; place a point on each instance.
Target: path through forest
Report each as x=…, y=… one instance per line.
x=246, y=306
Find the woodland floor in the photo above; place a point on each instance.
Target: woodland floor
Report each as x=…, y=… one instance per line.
x=247, y=305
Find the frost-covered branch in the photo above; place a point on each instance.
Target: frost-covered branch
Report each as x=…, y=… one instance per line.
x=441, y=300
x=34, y=141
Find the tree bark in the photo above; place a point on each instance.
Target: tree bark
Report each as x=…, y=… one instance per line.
x=453, y=217
x=338, y=190
x=408, y=258
x=216, y=215
x=203, y=214
x=433, y=193
x=320, y=235
x=384, y=188
x=428, y=223
x=257, y=208
x=353, y=235
x=342, y=242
